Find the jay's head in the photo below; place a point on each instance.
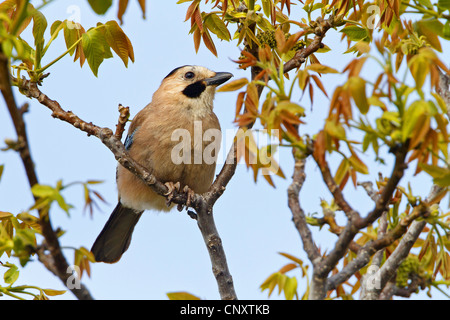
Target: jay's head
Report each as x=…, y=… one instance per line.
x=191, y=87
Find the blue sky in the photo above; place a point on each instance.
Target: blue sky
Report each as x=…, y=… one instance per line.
x=167, y=252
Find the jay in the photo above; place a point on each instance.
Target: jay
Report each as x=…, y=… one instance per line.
x=185, y=96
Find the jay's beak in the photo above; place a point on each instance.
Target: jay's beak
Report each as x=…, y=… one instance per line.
x=218, y=79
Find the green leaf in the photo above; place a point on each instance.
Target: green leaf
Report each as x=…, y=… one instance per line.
x=233, y=85
x=320, y=68
x=217, y=26
x=93, y=49
x=426, y=3
x=72, y=32
x=290, y=288
x=267, y=7
x=357, y=88
x=100, y=6
x=39, y=26
x=431, y=29
x=358, y=165
x=281, y=281
x=292, y=258
x=55, y=27
x=52, y=292
x=434, y=171
x=341, y=171
x=181, y=296
x=42, y=191
x=61, y=202
x=47, y=195
x=411, y=117
x=335, y=130
x=30, y=220
x=355, y=33
x=11, y=275
x=4, y=215
x=444, y=4
x=291, y=107
x=446, y=30
x=24, y=244
x=118, y=41
x=94, y=181
x=441, y=176
x=271, y=282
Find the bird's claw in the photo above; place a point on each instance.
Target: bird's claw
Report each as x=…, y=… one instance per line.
x=189, y=195
x=171, y=187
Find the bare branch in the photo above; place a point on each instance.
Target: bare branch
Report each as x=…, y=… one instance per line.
x=330, y=220
x=300, y=56
x=368, y=186
x=337, y=192
x=297, y=212
x=216, y=252
x=386, y=194
x=444, y=89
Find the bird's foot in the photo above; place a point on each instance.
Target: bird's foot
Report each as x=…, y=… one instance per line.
x=171, y=188
x=189, y=195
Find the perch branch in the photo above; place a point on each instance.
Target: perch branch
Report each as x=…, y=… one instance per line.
x=198, y=202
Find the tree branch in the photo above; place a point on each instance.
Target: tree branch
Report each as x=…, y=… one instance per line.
x=201, y=203
x=353, y=226
x=390, y=267
x=320, y=30
x=397, y=173
x=372, y=247
x=443, y=89
x=337, y=192
x=298, y=214
x=57, y=264
x=383, y=276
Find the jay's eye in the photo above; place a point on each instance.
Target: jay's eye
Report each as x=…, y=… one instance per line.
x=189, y=75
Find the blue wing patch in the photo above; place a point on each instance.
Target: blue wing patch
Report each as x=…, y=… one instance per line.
x=129, y=139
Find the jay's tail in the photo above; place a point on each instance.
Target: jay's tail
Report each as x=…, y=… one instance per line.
x=115, y=237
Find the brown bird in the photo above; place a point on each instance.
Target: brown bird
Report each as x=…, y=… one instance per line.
x=181, y=106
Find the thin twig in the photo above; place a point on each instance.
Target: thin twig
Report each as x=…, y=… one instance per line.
x=336, y=191
x=124, y=114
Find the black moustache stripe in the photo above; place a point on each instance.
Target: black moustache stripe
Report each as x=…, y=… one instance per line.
x=194, y=90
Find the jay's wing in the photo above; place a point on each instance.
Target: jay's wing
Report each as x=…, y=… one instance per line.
x=129, y=139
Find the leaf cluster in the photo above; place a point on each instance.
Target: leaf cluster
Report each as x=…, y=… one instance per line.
x=93, y=45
